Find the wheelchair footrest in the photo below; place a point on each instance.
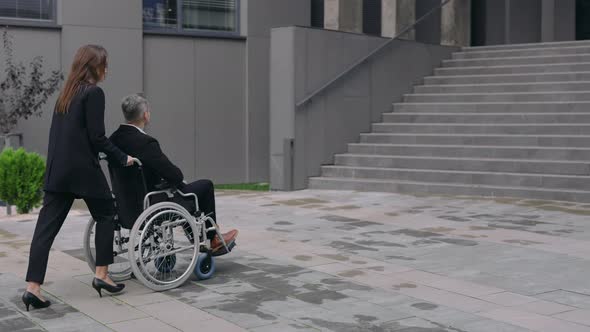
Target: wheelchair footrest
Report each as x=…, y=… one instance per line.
x=222, y=251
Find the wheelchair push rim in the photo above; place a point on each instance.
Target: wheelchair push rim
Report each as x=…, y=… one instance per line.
x=158, y=235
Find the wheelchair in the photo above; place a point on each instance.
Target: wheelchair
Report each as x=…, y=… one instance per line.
x=157, y=240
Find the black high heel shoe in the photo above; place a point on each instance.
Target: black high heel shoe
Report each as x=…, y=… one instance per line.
x=99, y=285
x=30, y=299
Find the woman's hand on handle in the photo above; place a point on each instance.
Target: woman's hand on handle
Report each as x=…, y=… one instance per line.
x=130, y=160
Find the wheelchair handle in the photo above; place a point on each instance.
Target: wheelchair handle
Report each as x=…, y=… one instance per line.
x=137, y=162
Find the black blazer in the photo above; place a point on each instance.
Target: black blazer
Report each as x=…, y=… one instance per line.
x=156, y=165
x=75, y=139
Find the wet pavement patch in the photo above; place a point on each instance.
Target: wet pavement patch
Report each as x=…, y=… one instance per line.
x=340, y=258
x=403, y=258
x=379, y=243
x=414, y=233
x=459, y=242
x=522, y=242
x=272, y=229
x=303, y=258
x=404, y=285
x=283, y=223
x=349, y=246
x=351, y=273
x=424, y=306
x=318, y=297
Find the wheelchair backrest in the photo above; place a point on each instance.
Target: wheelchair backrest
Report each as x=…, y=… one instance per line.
x=129, y=187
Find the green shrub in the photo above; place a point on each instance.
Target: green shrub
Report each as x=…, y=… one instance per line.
x=21, y=179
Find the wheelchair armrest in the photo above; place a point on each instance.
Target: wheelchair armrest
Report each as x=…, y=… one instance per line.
x=164, y=186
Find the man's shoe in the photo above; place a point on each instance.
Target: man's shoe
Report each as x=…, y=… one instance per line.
x=228, y=237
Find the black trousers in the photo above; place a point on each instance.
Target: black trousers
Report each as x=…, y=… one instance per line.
x=206, y=196
x=52, y=216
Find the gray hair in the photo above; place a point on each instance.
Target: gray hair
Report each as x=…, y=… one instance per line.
x=134, y=106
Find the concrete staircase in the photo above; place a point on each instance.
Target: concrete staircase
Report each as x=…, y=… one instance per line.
x=510, y=120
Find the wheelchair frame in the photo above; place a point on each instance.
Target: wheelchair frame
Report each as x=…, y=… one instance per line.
x=204, y=245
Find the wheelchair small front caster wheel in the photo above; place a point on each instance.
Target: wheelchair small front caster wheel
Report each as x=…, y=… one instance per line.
x=165, y=264
x=205, y=266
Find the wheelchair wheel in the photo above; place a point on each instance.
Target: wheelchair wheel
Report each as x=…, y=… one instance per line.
x=157, y=235
x=205, y=266
x=166, y=264
x=121, y=269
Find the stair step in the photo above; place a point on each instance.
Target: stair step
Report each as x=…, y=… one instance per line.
x=478, y=139
x=466, y=164
x=447, y=189
x=502, y=53
x=508, y=78
x=526, y=45
x=504, y=87
x=519, y=60
x=563, y=96
x=474, y=117
x=483, y=128
x=514, y=69
x=472, y=151
x=547, y=181
x=494, y=107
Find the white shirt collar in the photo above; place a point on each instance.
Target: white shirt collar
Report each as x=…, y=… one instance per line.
x=132, y=125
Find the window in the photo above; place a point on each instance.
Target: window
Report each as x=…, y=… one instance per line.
x=317, y=13
x=35, y=10
x=190, y=16
x=372, y=17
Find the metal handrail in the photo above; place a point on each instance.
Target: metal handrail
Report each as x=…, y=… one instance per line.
x=368, y=56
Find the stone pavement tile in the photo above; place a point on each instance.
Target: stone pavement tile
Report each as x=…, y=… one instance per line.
x=70, y=322
x=134, y=299
x=243, y=314
x=333, y=268
x=83, y=298
x=105, y=310
x=448, y=284
x=236, y=287
x=544, y=308
x=508, y=299
x=416, y=323
x=16, y=324
x=142, y=325
x=366, y=311
x=488, y=325
x=524, y=286
x=533, y=322
x=441, y=297
x=577, y=300
x=580, y=316
x=177, y=314
x=216, y=324
x=284, y=327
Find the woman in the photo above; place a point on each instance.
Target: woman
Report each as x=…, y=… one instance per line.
x=76, y=137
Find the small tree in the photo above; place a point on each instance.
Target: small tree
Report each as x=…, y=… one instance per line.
x=21, y=179
x=23, y=92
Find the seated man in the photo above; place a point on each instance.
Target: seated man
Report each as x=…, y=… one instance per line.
x=131, y=138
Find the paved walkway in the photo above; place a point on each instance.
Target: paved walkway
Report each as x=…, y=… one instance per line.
x=338, y=261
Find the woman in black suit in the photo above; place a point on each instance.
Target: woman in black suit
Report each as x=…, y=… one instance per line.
x=76, y=137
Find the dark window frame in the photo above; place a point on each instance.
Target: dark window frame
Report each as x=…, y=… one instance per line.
x=181, y=31
x=373, y=27
x=32, y=22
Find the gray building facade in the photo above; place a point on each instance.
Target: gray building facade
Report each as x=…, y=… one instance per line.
x=205, y=65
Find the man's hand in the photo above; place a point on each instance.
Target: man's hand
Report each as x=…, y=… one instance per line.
x=130, y=160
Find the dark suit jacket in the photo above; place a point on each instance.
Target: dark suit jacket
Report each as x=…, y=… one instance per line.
x=147, y=149
x=75, y=139
x=156, y=167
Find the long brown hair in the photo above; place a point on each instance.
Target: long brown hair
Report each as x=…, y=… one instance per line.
x=89, y=66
